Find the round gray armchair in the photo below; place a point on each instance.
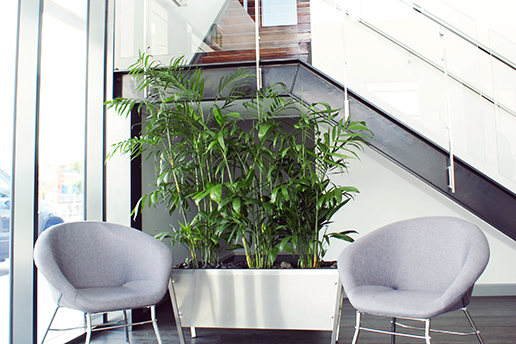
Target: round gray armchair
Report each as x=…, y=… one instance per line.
x=414, y=269
x=98, y=267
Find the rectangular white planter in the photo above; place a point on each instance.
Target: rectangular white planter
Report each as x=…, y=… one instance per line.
x=299, y=299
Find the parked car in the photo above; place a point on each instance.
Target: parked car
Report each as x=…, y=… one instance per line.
x=46, y=216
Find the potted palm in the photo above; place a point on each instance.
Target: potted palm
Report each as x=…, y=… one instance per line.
x=260, y=184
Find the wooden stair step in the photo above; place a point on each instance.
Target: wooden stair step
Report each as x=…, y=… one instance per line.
x=249, y=55
x=235, y=21
x=273, y=50
x=263, y=45
x=243, y=57
x=250, y=37
x=262, y=51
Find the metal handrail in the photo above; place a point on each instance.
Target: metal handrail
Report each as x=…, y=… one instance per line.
x=435, y=65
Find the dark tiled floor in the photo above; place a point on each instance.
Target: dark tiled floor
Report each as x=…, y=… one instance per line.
x=494, y=316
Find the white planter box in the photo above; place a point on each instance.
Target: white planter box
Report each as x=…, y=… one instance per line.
x=298, y=299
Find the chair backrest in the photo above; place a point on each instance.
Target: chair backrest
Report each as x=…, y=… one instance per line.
x=91, y=254
x=426, y=253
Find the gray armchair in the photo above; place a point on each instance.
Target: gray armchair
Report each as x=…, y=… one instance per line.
x=98, y=267
x=414, y=269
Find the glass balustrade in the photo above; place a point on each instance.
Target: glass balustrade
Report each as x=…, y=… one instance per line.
x=395, y=57
x=504, y=91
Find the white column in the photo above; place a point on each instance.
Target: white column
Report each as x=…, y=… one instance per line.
x=24, y=178
x=97, y=75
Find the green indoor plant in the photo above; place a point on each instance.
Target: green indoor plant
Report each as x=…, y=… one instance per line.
x=261, y=184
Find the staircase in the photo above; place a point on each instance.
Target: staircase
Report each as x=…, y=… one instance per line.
x=479, y=194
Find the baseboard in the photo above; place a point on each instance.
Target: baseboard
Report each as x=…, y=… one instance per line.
x=494, y=290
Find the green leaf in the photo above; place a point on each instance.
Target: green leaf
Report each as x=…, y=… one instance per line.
x=220, y=139
x=237, y=206
x=271, y=256
x=216, y=192
x=235, y=115
x=284, y=242
x=264, y=130
x=163, y=235
x=218, y=116
x=289, y=250
x=343, y=235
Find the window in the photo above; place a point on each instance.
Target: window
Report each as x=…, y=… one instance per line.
x=62, y=112
x=8, y=43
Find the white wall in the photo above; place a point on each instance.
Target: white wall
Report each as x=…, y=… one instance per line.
x=118, y=172
x=388, y=194
x=156, y=219
x=390, y=79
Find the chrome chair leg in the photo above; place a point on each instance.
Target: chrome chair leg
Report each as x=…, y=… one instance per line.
x=338, y=313
x=175, y=309
x=88, y=328
x=427, y=331
x=126, y=328
x=357, y=328
x=393, y=329
x=473, y=326
x=155, y=324
x=49, y=325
